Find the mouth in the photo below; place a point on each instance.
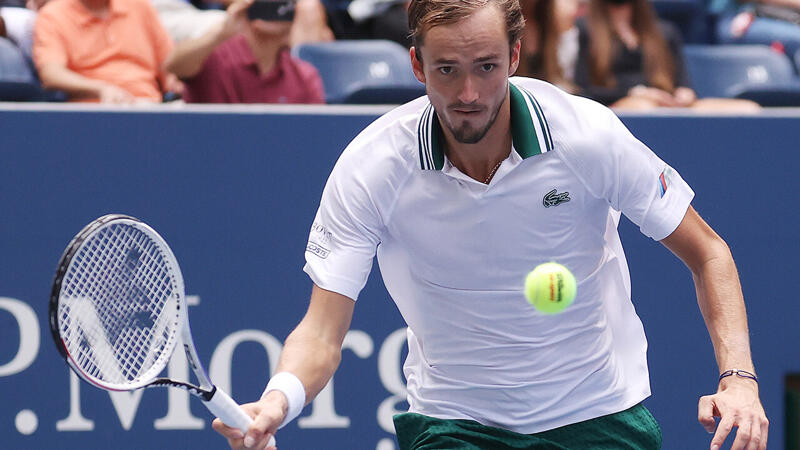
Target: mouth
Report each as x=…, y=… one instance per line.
x=467, y=111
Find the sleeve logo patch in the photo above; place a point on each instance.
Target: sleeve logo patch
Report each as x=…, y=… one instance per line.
x=664, y=180
x=319, y=238
x=320, y=233
x=318, y=250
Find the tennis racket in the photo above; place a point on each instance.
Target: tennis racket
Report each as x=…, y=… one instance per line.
x=117, y=310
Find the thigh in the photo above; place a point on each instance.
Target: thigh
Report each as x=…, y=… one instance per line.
x=634, y=104
x=727, y=105
x=632, y=429
x=419, y=432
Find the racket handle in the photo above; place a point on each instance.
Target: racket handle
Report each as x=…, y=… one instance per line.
x=230, y=413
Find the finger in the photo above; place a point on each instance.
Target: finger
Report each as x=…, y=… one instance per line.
x=705, y=414
x=237, y=8
x=755, y=435
x=723, y=430
x=228, y=432
x=263, y=443
x=262, y=428
x=236, y=444
x=743, y=435
x=764, y=433
x=667, y=100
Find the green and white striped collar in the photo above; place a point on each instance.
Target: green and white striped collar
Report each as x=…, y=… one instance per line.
x=529, y=130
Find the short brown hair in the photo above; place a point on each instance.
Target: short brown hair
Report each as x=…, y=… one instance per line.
x=425, y=14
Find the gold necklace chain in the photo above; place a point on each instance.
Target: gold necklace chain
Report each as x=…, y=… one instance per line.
x=491, y=174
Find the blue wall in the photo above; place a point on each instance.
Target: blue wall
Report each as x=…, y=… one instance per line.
x=235, y=194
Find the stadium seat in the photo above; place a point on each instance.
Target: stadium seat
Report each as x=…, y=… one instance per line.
x=753, y=72
x=689, y=16
x=363, y=71
x=797, y=60
x=17, y=81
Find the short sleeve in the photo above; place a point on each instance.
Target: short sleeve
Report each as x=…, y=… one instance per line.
x=48, y=44
x=617, y=167
x=346, y=230
x=162, y=42
x=204, y=86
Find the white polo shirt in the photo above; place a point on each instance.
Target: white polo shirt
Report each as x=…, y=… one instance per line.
x=454, y=252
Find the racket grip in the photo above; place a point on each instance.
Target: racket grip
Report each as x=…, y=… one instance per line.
x=230, y=413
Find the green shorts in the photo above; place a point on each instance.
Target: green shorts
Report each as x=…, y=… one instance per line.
x=633, y=429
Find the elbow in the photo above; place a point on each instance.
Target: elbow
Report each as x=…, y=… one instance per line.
x=717, y=254
x=332, y=357
x=46, y=78
x=170, y=66
x=174, y=65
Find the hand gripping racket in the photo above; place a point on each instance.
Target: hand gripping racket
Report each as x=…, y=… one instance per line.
x=117, y=311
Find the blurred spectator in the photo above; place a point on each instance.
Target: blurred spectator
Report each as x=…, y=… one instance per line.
x=764, y=22
x=16, y=22
x=628, y=59
x=550, y=41
x=106, y=50
x=182, y=20
x=369, y=19
x=244, y=61
x=310, y=23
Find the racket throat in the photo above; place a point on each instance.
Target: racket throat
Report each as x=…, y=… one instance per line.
x=205, y=394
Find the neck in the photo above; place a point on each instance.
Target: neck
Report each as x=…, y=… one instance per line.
x=621, y=17
x=265, y=49
x=97, y=7
x=620, y=14
x=479, y=160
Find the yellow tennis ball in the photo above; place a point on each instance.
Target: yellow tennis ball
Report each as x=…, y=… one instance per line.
x=550, y=288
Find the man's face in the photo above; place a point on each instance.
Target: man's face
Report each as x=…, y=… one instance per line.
x=465, y=67
x=270, y=28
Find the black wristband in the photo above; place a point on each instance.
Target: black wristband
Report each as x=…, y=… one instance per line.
x=738, y=373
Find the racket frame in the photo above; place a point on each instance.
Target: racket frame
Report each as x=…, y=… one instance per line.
x=179, y=320
x=216, y=400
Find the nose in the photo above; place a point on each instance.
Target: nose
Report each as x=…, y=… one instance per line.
x=468, y=93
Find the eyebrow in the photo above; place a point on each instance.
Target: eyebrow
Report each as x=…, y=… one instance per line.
x=477, y=60
x=487, y=58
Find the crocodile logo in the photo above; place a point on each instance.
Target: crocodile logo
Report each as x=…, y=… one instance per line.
x=554, y=198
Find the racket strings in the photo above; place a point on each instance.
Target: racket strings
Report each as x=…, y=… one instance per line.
x=118, y=309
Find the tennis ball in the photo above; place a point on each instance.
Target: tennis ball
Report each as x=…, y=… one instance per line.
x=550, y=288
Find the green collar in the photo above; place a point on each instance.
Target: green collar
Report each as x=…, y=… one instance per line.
x=529, y=130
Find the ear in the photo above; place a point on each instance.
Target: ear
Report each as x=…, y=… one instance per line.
x=416, y=65
x=514, y=63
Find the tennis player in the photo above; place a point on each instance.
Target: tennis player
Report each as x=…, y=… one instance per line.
x=460, y=194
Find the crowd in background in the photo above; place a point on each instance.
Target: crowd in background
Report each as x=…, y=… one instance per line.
x=617, y=52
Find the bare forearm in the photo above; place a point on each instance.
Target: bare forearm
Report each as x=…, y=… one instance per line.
x=60, y=78
x=188, y=57
x=795, y=4
x=311, y=359
x=312, y=351
x=719, y=295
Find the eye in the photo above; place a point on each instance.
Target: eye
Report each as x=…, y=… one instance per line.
x=446, y=70
x=487, y=67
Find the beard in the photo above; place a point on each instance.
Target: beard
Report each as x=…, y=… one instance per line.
x=467, y=134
